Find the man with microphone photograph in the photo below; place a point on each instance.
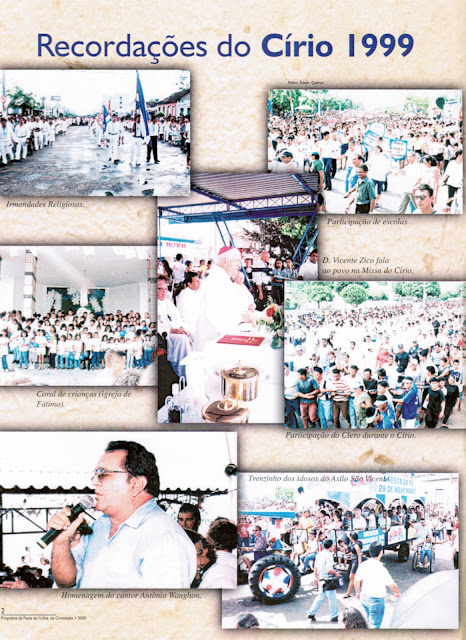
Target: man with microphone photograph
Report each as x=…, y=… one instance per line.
x=134, y=544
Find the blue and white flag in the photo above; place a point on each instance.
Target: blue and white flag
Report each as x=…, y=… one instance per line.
x=141, y=105
x=319, y=107
x=106, y=117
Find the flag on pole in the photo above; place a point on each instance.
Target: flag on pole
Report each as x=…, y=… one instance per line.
x=319, y=107
x=105, y=117
x=141, y=105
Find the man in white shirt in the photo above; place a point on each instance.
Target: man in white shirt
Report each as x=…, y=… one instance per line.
x=112, y=134
x=308, y=270
x=179, y=269
x=22, y=134
x=170, y=323
x=353, y=380
x=136, y=142
x=370, y=582
x=188, y=299
x=134, y=544
x=413, y=172
x=359, y=522
x=323, y=570
x=262, y=279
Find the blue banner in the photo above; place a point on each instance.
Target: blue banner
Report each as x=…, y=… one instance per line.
x=399, y=149
x=106, y=117
x=141, y=105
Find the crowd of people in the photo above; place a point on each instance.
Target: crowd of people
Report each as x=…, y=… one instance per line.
x=335, y=147
x=114, y=134
x=88, y=341
x=26, y=576
x=381, y=367
x=216, y=551
x=22, y=136
x=323, y=540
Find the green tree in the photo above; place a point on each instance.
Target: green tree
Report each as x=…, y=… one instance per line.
x=433, y=289
x=354, y=294
x=21, y=100
x=377, y=295
x=446, y=295
x=320, y=292
x=398, y=288
x=281, y=100
x=421, y=104
x=280, y=234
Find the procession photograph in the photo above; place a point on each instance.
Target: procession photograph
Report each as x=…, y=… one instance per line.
x=224, y=256
x=372, y=150
x=77, y=316
x=374, y=355
x=167, y=501
x=95, y=133
x=346, y=551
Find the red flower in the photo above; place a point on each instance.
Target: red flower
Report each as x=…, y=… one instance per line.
x=270, y=312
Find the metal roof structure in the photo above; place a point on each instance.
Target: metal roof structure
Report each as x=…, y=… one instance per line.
x=246, y=196
x=228, y=197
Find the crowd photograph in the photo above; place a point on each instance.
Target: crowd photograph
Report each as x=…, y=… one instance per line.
x=373, y=151
x=167, y=502
x=220, y=292
x=104, y=133
x=77, y=315
x=374, y=355
x=339, y=550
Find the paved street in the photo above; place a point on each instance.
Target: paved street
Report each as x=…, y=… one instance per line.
x=75, y=166
x=293, y=614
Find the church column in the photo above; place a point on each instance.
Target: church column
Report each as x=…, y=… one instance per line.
x=151, y=286
x=30, y=284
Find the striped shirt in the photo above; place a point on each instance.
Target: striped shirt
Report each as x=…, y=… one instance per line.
x=342, y=389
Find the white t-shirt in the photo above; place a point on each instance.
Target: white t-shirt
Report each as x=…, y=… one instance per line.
x=308, y=271
x=375, y=578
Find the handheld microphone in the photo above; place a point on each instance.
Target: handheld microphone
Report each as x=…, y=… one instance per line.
x=51, y=534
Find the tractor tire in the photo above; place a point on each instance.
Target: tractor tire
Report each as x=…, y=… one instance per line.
x=261, y=586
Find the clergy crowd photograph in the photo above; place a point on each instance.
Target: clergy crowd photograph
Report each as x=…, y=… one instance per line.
x=95, y=133
x=77, y=315
x=374, y=355
x=224, y=256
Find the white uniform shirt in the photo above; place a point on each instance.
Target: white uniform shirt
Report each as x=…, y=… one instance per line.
x=187, y=303
x=375, y=578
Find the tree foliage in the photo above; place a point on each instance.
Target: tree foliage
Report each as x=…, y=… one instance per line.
x=281, y=235
x=422, y=104
x=21, y=100
x=354, y=294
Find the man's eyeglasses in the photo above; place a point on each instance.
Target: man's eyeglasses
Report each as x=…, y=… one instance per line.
x=420, y=197
x=101, y=473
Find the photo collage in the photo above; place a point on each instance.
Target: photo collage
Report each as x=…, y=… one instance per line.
x=228, y=319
